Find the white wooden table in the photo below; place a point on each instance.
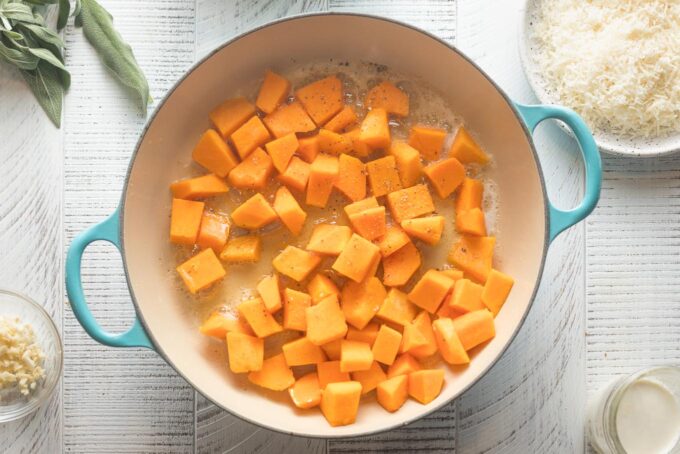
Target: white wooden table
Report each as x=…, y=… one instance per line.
x=609, y=302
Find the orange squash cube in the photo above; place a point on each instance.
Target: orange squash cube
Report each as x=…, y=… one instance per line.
x=375, y=129
x=473, y=255
x=361, y=301
x=321, y=286
x=393, y=240
x=325, y=321
x=466, y=150
x=448, y=343
x=253, y=172
x=445, y=176
x=393, y=392
x=386, y=96
x=289, y=211
x=411, y=339
x=370, y=223
x=219, y=323
x=430, y=290
x=370, y=378
x=258, y=317
x=453, y=274
x=496, y=290
x=400, y=266
x=196, y=188
x=383, y=176
x=410, y=202
x=427, y=229
x=213, y=233
x=296, y=174
x=346, y=117
x=397, y=308
x=306, y=392
x=466, y=296
x=329, y=239
x=329, y=371
x=474, y=328
x=323, y=173
x=232, y=113
x=357, y=259
x=281, y=151
x=333, y=143
x=275, y=374
x=340, y=402
x=273, y=91
x=359, y=148
x=361, y=205
x=403, y=365
x=308, y=148
x=289, y=118
x=295, y=263
x=351, y=180
x=250, y=136
x=423, y=324
x=471, y=222
x=386, y=345
x=254, y=213
x=242, y=249
x=428, y=141
x=469, y=195
x=332, y=350
x=213, y=153
x=408, y=163
x=425, y=385
x=355, y=356
x=269, y=289
x=302, y=352
x=321, y=99
x=185, y=221
x=246, y=353
x=201, y=271
x=367, y=334
x=294, y=305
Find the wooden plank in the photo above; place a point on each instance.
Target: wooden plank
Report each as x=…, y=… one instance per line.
x=30, y=234
x=118, y=400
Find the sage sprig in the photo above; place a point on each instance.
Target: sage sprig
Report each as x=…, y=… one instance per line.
x=37, y=51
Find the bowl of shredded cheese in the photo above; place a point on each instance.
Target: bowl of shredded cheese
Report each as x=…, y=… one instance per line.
x=616, y=63
x=31, y=356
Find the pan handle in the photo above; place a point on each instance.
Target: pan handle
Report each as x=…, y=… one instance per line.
x=560, y=220
x=107, y=230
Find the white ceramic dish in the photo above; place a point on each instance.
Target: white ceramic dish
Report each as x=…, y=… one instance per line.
x=526, y=222
x=608, y=143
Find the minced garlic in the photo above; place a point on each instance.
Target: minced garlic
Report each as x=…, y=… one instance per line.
x=21, y=358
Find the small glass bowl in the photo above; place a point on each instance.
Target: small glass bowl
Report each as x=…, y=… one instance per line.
x=47, y=337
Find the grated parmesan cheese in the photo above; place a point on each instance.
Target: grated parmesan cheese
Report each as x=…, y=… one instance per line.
x=615, y=62
x=20, y=357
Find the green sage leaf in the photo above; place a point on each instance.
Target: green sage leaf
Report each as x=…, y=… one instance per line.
x=46, y=85
x=19, y=12
x=12, y=35
x=49, y=57
x=18, y=58
x=64, y=9
x=115, y=53
x=44, y=34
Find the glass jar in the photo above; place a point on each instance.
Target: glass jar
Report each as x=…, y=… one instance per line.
x=619, y=415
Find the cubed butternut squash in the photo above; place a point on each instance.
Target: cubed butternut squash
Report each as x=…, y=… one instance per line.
x=269, y=289
x=471, y=222
x=213, y=233
x=254, y=213
x=196, y=188
x=281, y=151
x=403, y=365
x=342, y=120
x=401, y=265
x=496, y=290
x=370, y=223
x=185, y=221
x=393, y=392
x=430, y=290
x=213, y=153
x=387, y=96
x=375, y=130
x=325, y=321
x=428, y=141
x=306, y=392
x=220, y=322
x=201, y=271
x=466, y=150
x=474, y=328
x=367, y=334
x=359, y=148
x=397, y=308
x=355, y=356
x=448, y=343
x=411, y=338
x=469, y=195
x=386, y=345
x=321, y=286
x=383, y=176
x=361, y=300
x=296, y=174
x=321, y=99
x=232, y=113
x=410, y=202
x=296, y=263
x=361, y=205
x=333, y=143
x=423, y=324
x=467, y=296
x=351, y=180
x=302, y=352
x=273, y=92
x=289, y=210
x=275, y=374
x=253, y=172
x=294, y=305
x=340, y=402
x=332, y=350
x=445, y=176
x=428, y=229
x=425, y=385
x=393, y=240
x=259, y=318
x=242, y=249
x=323, y=173
x=370, y=378
x=308, y=148
x=288, y=118
x=329, y=371
x=246, y=353
x=473, y=255
x=251, y=135
x=329, y=239
x=408, y=163
x=358, y=257
x=453, y=274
